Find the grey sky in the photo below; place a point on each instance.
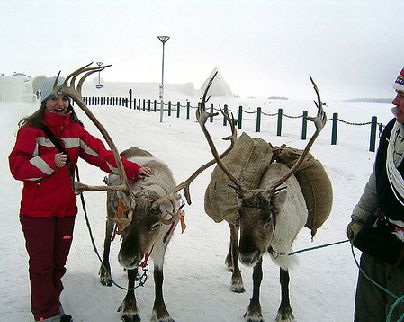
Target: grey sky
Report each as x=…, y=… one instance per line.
x=262, y=48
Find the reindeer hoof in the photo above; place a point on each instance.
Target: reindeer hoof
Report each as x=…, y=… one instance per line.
x=250, y=318
x=237, y=288
x=130, y=318
x=163, y=318
x=237, y=285
x=285, y=317
x=106, y=283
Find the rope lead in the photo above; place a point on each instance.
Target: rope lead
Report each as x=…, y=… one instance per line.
x=275, y=254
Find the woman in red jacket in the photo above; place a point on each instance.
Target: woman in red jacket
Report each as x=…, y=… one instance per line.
x=48, y=205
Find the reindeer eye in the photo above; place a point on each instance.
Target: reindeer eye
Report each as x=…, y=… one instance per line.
x=156, y=226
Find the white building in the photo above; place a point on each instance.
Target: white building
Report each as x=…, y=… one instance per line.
x=16, y=88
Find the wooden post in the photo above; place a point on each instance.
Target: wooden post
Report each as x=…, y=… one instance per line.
x=226, y=111
x=188, y=109
x=258, y=121
x=155, y=105
x=144, y=104
x=178, y=110
x=169, y=108
x=148, y=105
x=334, y=129
x=373, y=134
x=130, y=99
x=279, y=127
x=304, y=125
x=211, y=112
x=239, y=116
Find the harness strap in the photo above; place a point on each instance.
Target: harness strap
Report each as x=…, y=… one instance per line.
x=56, y=142
x=146, y=259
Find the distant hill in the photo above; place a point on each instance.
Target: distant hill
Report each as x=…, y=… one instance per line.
x=277, y=98
x=370, y=100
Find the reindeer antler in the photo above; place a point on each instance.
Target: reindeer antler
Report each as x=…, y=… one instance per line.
x=72, y=90
x=202, y=115
x=319, y=121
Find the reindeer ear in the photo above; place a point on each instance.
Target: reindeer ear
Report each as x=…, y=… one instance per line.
x=128, y=200
x=167, y=205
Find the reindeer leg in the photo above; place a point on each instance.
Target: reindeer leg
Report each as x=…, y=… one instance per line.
x=253, y=313
x=285, y=310
x=105, y=269
x=236, y=279
x=159, y=313
x=129, y=306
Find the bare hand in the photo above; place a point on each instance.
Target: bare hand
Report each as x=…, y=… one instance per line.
x=144, y=172
x=60, y=159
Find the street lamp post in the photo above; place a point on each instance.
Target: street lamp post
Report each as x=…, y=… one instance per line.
x=99, y=85
x=163, y=39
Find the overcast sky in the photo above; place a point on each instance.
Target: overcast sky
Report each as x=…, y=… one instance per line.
x=352, y=48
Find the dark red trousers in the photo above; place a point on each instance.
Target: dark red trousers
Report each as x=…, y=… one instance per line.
x=47, y=241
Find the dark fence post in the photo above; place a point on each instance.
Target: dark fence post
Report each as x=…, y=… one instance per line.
x=169, y=108
x=258, y=121
x=304, y=125
x=279, y=127
x=148, y=105
x=188, y=109
x=211, y=112
x=226, y=111
x=144, y=104
x=155, y=105
x=178, y=110
x=239, y=116
x=334, y=129
x=130, y=99
x=373, y=134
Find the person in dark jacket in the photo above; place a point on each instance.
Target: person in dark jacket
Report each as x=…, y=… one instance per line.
x=382, y=262
x=48, y=205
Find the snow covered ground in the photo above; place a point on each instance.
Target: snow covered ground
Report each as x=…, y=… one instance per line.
x=196, y=284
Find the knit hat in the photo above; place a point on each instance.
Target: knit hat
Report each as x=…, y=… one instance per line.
x=47, y=86
x=399, y=83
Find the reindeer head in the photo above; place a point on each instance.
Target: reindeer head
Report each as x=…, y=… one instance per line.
x=145, y=224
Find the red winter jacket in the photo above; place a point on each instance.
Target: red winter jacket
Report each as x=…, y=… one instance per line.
x=48, y=190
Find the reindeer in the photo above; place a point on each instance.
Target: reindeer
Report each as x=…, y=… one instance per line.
x=146, y=211
x=146, y=225
x=269, y=219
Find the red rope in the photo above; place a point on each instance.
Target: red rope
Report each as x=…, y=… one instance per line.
x=146, y=259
